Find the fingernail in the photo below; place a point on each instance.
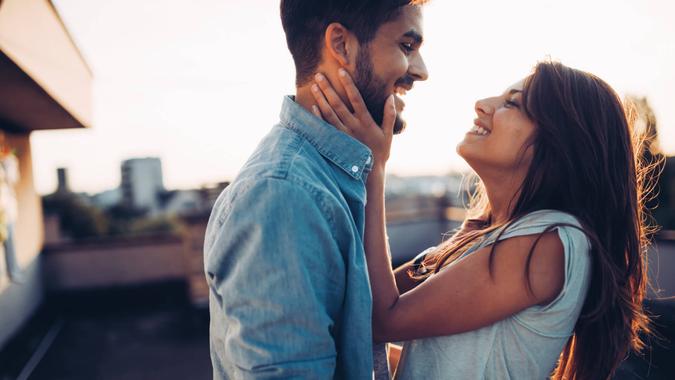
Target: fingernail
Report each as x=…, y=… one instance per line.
x=319, y=77
x=315, y=109
x=315, y=88
x=342, y=72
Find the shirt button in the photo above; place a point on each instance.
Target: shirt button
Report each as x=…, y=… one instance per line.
x=368, y=160
x=355, y=168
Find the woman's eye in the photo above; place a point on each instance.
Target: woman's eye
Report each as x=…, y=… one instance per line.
x=511, y=104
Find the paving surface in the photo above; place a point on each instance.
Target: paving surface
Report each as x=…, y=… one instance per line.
x=127, y=336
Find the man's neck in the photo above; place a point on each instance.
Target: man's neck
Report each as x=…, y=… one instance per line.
x=303, y=97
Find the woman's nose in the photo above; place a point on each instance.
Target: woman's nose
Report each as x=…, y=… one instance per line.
x=483, y=107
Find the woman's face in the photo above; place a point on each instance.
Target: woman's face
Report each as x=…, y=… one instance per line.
x=501, y=135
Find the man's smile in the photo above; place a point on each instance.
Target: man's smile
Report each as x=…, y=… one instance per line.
x=401, y=88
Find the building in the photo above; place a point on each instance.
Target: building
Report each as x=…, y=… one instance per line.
x=180, y=202
x=45, y=84
x=142, y=183
x=62, y=178
x=107, y=199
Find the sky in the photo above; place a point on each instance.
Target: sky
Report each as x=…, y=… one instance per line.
x=199, y=83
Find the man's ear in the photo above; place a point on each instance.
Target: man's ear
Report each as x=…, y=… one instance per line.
x=341, y=44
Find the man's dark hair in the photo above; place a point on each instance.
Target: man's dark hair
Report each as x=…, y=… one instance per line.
x=305, y=22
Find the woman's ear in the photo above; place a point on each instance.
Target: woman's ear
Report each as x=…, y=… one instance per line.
x=341, y=44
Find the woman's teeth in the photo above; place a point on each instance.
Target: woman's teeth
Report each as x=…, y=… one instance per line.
x=479, y=130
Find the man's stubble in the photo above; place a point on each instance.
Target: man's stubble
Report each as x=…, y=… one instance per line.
x=373, y=90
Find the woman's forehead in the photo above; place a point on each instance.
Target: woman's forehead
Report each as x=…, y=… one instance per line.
x=516, y=87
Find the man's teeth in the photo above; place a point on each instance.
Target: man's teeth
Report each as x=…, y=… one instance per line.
x=480, y=130
x=401, y=91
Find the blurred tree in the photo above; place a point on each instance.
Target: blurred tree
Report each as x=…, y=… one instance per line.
x=156, y=225
x=77, y=218
x=121, y=218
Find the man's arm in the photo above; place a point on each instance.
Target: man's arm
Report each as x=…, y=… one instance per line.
x=278, y=277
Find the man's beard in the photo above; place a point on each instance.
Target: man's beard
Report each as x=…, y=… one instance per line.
x=373, y=90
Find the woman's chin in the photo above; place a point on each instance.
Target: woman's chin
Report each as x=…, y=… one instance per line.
x=471, y=154
x=464, y=150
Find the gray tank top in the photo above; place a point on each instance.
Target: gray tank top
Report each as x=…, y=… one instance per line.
x=525, y=345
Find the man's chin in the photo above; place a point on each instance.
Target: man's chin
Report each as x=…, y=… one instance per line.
x=399, y=125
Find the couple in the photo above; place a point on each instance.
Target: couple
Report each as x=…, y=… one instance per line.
x=544, y=278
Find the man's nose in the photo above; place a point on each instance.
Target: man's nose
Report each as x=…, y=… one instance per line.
x=418, y=69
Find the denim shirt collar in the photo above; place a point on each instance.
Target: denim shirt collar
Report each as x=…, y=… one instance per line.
x=341, y=149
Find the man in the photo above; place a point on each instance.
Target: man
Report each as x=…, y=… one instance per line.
x=284, y=259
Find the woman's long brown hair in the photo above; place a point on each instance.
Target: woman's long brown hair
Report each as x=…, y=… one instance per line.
x=585, y=163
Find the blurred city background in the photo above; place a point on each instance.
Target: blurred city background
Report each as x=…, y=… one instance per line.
x=121, y=122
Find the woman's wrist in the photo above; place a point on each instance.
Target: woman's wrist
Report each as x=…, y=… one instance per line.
x=378, y=169
x=376, y=176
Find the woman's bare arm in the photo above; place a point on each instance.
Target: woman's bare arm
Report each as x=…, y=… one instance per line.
x=403, y=281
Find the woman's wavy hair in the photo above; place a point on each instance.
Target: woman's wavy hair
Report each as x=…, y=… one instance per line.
x=586, y=162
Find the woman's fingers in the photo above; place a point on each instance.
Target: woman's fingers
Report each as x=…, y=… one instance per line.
x=353, y=93
x=334, y=101
x=316, y=112
x=326, y=110
x=389, y=118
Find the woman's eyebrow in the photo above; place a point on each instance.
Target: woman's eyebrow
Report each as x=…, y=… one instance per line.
x=515, y=91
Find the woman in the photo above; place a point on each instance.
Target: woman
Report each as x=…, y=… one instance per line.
x=547, y=276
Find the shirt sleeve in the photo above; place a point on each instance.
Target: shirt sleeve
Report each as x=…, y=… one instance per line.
x=278, y=276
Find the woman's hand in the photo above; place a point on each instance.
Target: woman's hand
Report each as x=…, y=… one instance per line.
x=361, y=126
x=358, y=124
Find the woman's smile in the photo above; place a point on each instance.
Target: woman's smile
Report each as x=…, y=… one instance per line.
x=478, y=130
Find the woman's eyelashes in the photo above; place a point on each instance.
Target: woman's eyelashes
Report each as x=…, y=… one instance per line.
x=509, y=103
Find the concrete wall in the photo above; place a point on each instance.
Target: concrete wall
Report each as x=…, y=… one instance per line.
x=194, y=258
x=45, y=84
x=34, y=37
x=29, y=227
x=113, y=262
x=19, y=300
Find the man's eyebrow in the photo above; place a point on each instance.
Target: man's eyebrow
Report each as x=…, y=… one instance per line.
x=414, y=35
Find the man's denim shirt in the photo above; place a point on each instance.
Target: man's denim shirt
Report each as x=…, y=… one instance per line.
x=284, y=259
